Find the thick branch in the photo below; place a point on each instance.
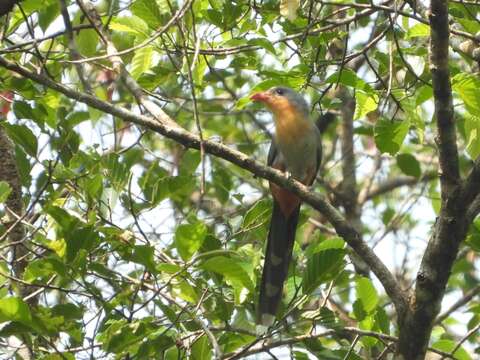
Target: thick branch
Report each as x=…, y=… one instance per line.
x=451, y=226
x=189, y=140
x=9, y=173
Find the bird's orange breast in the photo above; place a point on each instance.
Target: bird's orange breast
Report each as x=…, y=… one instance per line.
x=290, y=124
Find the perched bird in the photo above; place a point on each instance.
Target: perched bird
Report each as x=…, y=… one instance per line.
x=296, y=150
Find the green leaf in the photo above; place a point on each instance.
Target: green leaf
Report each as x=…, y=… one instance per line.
x=142, y=61
x=382, y=320
x=5, y=191
x=47, y=14
x=258, y=213
x=472, y=133
x=22, y=136
x=87, y=41
x=473, y=237
x=148, y=11
x=15, y=309
x=189, y=238
x=409, y=165
x=131, y=24
x=366, y=294
x=80, y=238
x=201, y=349
x=467, y=85
x=144, y=255
x=389, y=135
x=322, y=266
x=264, y=43
x=232, y=269
x=365, y=103
x=448, y=346
x=349, y=78
x=418, y=30
x=23, y=110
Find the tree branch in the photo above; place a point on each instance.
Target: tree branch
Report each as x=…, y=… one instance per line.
x=392, y=184
x=451, y=226
x=189, y=140
x=469, y=295
x=301, y=338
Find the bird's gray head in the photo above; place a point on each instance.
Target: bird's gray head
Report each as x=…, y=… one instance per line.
x=279, y=98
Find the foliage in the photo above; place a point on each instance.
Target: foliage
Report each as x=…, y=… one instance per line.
x=140, y=248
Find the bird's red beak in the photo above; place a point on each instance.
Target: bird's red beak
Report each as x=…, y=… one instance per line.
x=261, y=96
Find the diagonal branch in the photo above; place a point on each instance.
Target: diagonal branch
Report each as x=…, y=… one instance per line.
x=189, y=140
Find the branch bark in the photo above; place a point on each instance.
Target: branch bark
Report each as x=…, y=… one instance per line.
x=14, y=210
x=189, y=140
x=451, y=226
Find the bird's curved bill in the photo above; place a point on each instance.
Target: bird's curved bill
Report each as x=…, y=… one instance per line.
x=260, y=96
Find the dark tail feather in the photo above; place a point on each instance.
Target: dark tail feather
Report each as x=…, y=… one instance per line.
x=281, y=238
x=325, y=120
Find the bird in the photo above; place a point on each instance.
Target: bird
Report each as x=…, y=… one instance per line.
x=296, y=150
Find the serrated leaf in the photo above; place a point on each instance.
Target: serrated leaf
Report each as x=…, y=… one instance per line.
x=409, y=165
x=22, y=136
x=142, y=61
x=232, y=269
x=148, y=11
x=189, y=238
x=5, y=191
x=389, y=135
x=322, y=266
x=366, y=294
x=258, y=213
x=364, y=104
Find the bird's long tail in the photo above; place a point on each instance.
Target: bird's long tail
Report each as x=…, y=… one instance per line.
x=281, y=238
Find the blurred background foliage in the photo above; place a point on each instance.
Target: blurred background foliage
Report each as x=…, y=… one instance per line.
x=135, y=248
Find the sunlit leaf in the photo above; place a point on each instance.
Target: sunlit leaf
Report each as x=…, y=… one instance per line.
x=365, y=103
x=189, y=238
x=366, y=294
x=15, y=309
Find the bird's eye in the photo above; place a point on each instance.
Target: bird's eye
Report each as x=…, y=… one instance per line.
x=279, y=91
